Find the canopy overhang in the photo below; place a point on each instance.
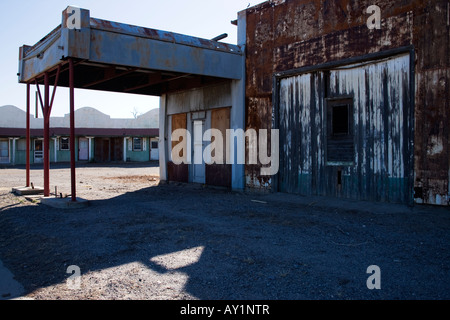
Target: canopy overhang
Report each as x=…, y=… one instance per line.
x=118, y=57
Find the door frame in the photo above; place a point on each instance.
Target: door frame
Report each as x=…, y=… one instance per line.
x=35, y=152
x=195, y=166
x=79, y=149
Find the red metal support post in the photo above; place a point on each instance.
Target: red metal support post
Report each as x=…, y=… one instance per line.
x=72, y=129
x=28, y=138
x=46, y=135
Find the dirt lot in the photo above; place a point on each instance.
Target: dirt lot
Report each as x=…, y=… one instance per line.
x=139, y=239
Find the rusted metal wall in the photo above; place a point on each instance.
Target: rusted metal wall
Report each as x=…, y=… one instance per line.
x=373, y=161
x=294, y=34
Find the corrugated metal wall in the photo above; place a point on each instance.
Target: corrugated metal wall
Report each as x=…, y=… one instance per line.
x=381, y=127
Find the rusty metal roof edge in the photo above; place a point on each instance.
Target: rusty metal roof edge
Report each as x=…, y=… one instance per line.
x=47, y=41
x=160, y=35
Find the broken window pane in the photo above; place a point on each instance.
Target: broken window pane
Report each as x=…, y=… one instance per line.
x=340, y=120
x=340, y=144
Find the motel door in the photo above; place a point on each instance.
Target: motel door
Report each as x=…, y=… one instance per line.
x=83, y=152
x=4, y=151
x=38, y=151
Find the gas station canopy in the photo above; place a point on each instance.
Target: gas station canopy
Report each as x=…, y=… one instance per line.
x=118, y=57
x=89, y=53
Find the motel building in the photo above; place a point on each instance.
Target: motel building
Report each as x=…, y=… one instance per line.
x=99, y=138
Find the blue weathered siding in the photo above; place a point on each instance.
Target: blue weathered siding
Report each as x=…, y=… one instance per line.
x=382, y=145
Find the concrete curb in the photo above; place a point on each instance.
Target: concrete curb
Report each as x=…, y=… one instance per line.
x=24, y=191
x=64, y=203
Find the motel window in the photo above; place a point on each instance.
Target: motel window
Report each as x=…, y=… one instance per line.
x=154, y=144
x=22, y=145
x=64, y=144
x=4, y=150
x=137, y=144
x=340, y=144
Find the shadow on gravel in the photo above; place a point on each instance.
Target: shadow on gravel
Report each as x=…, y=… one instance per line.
x=236, y=245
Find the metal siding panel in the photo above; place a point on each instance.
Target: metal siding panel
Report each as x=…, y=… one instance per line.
x=318, y=132
x=295, y=134
x=379, y=161
x=42, y=58
x=380, y=90
x=215, y=96
x=132, y=51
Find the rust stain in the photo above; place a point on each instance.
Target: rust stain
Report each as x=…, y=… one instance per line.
x=286, y=35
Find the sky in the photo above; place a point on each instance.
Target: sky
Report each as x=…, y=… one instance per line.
x=26, y=22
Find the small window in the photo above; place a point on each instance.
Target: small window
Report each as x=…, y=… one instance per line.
x=4, y=151
x=22, y=145
x=154, y=144
x=137, y=144
x=340, y=144
x=64, y=144
x=340, y=120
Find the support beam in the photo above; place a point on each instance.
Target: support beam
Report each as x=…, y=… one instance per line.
x=55, y=149
x=46, y=110
x=28, y=143
x=72, y=130
x=54, y=87
x=38, y=94
x=164, y=138
x=90, y=148
x=237, y=116
x=156, y=79
x=46, y=135
x=109, y=74
x=125, y=139
x=13, y=153
x=152, y=79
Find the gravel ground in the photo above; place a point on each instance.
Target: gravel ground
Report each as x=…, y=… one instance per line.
x=140, y=239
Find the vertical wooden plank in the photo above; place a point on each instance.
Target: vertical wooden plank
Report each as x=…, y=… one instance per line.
x=178, y=172
x=284, y=136
x=220, y=174
x=179, y=121
x=297, y=149
x=313, y=131
x=295, y=134
x=220, y=120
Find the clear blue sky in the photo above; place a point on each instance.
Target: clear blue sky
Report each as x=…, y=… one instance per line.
x=26, y=22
